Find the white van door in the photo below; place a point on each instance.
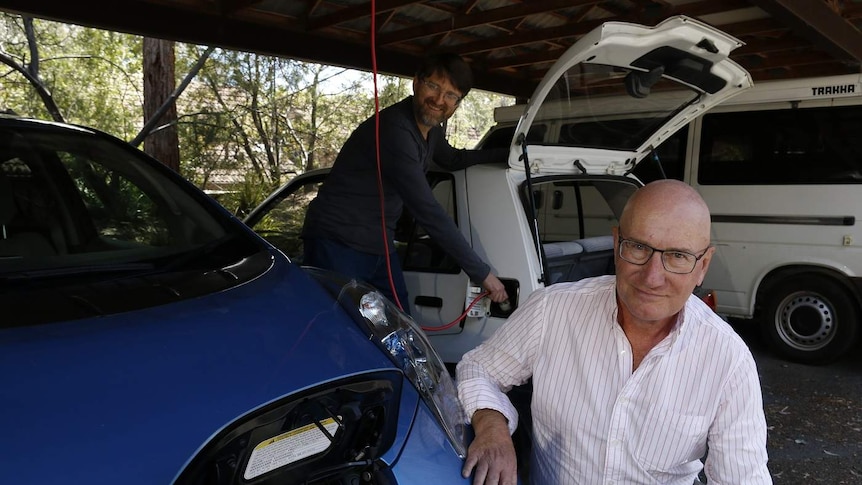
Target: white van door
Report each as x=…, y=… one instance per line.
x=435, y=283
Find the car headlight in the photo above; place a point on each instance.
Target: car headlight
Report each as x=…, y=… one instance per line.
x=408, y=347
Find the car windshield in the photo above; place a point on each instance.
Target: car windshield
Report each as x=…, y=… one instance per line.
x=593, y=108
x=74, y=202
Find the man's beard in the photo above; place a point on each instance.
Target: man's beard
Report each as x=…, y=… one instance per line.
x=426, y=116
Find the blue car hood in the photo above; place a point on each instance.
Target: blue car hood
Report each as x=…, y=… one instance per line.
x=131, y=397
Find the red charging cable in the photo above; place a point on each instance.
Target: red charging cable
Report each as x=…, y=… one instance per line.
x=377, y=148
x=455, y=322
x=380, y=183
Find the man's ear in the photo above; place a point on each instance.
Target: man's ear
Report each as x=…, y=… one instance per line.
x=705, y=260
x=416, y=82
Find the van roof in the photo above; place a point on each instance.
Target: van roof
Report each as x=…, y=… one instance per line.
x=848, y=85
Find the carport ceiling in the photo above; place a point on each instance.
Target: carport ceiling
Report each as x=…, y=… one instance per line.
x=510, y=43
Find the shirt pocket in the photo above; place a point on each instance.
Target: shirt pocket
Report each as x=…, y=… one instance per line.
x=671, y=441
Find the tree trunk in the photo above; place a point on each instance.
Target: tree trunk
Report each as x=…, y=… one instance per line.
x=159, y=82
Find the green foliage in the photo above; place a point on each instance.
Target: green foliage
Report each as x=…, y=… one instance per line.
x=281, y=118
x=118, y=208
x=246, y=123
x=93, y=75
x=474, y=117
x=282, y=225
x=393, y=89
x=247, y=195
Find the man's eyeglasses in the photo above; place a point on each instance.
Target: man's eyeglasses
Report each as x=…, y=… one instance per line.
x=673, y=260
x=435, y=88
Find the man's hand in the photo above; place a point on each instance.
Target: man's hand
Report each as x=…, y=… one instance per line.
x=491, y=456
x=496, y=290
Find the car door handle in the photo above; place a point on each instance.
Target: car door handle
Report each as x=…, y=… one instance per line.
x=431, y=301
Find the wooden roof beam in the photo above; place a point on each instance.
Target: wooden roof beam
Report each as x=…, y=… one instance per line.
x=479, y=18
x=815, y=21
x=232, y=6
x=356, y=12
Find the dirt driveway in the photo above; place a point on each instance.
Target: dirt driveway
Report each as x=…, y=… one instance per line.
x=814, y=416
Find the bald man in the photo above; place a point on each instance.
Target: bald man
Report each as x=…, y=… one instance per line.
x=634, y=378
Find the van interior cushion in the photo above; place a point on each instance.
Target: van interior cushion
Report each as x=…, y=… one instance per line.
x=563, y=248
x=596, y=243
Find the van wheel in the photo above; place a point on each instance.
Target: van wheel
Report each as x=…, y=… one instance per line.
x=810, y=319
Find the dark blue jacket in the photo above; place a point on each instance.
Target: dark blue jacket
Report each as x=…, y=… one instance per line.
x=347, y=207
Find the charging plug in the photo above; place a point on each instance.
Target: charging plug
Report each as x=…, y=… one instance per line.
x=482, y=307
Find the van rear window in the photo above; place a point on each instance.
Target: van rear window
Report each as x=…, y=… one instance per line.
x=612, y=134
x=501, y=137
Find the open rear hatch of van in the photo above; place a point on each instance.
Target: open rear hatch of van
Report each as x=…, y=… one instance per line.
x=666, y=75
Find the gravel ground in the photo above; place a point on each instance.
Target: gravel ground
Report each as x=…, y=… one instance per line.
x=814, y=416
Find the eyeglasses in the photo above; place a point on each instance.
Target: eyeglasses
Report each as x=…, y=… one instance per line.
x=435, y=88
x=673, y=260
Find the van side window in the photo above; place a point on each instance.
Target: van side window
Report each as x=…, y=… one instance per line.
x=418, y=252
x=577, y=208
x=789, y=146
x=671, y=156
x=574, y=224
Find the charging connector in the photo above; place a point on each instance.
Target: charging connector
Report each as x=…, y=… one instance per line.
x=481, y=308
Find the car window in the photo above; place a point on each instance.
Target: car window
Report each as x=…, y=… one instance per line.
x=119, y=210
x=99, y=200
x=88, y=215
x=281, y=225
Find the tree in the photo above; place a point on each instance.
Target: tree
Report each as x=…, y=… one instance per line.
x=30, y=70
x=90, y=76
x=99, y=88
x=286, y=116
x=244, y=122
x=474, y=117
x=163, y=144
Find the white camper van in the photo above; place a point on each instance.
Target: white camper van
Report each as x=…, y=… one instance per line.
x=545, y=214
x=780, y=167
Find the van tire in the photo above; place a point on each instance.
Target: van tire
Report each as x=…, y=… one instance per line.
x=810, y=318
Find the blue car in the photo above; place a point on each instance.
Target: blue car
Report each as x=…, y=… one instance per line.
x=147, y=336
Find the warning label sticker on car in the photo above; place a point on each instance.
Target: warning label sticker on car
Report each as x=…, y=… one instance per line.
x=289, y=447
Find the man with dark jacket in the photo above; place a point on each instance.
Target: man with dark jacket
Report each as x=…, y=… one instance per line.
x=343, y=230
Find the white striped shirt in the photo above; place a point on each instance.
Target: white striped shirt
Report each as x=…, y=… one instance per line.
x=597, y=422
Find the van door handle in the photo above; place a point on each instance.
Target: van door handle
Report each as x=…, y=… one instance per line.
x=537, y=199
x=558, y=199
x=431, y=301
